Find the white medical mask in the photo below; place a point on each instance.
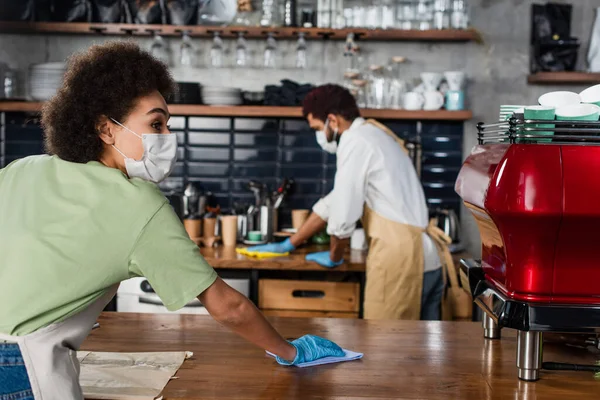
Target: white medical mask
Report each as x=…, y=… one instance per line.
x=330, y=147
x=158, y=160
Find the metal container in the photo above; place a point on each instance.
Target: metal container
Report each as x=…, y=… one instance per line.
x=268, y=222
x=242, y=227
x=194, y=201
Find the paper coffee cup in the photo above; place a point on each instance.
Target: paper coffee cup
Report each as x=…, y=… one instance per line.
x=229, y=230
x=299, y=217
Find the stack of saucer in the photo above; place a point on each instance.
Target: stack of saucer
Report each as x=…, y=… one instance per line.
x=45, y=80
x=221, y=96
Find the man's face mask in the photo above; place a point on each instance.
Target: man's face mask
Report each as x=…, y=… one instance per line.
x=330, y=147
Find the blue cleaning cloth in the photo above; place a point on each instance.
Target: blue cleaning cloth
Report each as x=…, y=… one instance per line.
x=349, y=356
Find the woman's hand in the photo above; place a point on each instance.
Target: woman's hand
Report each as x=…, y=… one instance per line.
x=311, y=348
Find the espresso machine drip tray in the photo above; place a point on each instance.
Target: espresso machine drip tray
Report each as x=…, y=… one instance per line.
x=530, y=319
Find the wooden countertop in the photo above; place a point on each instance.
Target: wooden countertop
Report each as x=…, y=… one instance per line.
x=403, y=360
x=227, y=258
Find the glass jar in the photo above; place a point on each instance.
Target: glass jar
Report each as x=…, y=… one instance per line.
x=271, y=15
x=388, y=14
x=398, y=84
x=377, y=88
x=424, y=15
x=441, y=14
x=459, y=17
x=373, y=14
x=324, y=13
x=360, y=92
x=406, y=13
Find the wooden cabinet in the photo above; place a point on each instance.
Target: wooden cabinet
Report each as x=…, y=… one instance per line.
x=308, y=299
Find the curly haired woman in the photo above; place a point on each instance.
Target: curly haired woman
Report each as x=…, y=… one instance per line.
x=77, y=222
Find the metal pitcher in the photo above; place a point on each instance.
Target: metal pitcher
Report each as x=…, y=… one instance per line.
x=268, y=222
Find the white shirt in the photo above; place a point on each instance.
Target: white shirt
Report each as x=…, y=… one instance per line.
x=373, y=168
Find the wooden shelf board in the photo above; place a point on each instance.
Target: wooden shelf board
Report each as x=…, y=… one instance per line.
x=269, y=112
x=451, y=35
x=563, y=78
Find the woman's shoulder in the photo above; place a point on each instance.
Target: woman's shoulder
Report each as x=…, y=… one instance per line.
x=147, y=189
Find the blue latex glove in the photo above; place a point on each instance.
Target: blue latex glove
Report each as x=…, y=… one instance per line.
x=279, y=248
x=322, y=258
x=311, y=348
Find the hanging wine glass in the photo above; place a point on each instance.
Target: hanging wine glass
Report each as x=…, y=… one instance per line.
x=186, y=51
x=159, y=48
x=301, y=59
x=241, y=51
x=216, y=51
x=270, y=52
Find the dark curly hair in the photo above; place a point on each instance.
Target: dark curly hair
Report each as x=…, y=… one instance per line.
x=105, y=80
x=330, y=99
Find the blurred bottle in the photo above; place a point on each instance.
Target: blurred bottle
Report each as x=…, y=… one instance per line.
x=290, y=17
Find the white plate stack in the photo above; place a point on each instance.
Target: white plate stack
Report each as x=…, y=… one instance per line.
x=45, y=80
x=221, y=96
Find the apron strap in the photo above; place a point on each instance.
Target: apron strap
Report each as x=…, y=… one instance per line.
x=442, y=241
x=388, y=132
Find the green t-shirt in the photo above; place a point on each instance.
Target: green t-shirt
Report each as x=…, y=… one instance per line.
x=70, y=231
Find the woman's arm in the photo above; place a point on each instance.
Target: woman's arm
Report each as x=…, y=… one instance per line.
x=235, y=311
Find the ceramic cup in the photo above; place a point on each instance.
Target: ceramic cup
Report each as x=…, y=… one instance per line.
x=540, y=113
x=455, y=79
x=413, y=101
x=433, y=101
x=431, y=80
x=591, y=95
x=578, y=112
x=255, y=236
x=455, y=100
x=559, y=99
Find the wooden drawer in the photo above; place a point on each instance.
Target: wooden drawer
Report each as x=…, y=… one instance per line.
x=308, y=295
x=309, y=314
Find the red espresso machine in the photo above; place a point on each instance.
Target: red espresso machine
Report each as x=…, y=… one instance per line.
x=534, y=190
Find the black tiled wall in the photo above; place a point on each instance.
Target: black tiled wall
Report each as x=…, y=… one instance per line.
x=223, y=154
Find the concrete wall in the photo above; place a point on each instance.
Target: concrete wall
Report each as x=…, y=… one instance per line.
x=497, y=69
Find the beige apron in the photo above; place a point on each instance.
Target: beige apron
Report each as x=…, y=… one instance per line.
x=395, y=263
x=50, y=353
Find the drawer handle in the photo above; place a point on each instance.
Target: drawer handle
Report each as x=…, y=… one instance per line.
x=316, y=294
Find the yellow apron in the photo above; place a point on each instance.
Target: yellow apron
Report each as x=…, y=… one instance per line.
x=395, y=263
